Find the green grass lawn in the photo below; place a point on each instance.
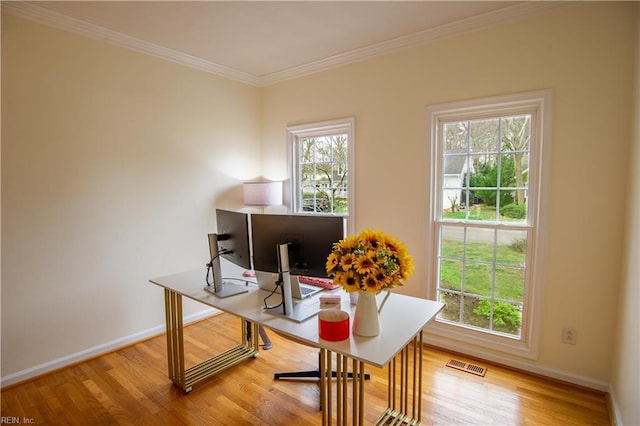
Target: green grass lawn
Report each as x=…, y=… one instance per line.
x=509, y=280
x=481, y=281
x=487, y=214
x=484, y=213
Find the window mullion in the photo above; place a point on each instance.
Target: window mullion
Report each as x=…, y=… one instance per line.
x=499, y=179
x=463, y=274
x=493, y=277
x=468, y=177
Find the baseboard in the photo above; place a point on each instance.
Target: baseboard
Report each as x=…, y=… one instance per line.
x=93, y=352
x=509, y=362
x=614, y=412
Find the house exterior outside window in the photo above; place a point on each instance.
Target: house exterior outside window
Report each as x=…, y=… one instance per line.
x=322, y=168
x=487, y=187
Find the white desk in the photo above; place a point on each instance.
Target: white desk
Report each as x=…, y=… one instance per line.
x=401, y=322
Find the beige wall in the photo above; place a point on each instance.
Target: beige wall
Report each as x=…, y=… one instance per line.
x=584, y=54
x=112, y=164
x=625, y=381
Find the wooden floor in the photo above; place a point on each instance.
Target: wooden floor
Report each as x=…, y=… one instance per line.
x=130, y=387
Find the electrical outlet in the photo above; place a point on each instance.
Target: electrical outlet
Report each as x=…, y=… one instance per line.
x=569, y=335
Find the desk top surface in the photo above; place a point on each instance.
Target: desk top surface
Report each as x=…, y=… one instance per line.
x=401, y=318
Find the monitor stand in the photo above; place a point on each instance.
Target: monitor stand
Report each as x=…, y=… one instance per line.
x=220, y=288
x=297, y=312
x=227, y=289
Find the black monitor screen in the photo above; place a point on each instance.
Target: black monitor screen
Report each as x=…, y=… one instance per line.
x=310, y=239
x=233, y=237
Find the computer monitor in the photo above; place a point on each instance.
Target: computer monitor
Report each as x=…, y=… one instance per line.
x=294, y=245
x=233, y=237
x=310, y=239
x=231, y=243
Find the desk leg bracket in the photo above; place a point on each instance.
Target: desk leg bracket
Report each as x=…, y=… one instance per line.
x=185, y=378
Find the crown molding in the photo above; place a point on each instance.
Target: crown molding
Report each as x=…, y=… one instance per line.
x=486, y=20
x=77, y=26
x=509, y=14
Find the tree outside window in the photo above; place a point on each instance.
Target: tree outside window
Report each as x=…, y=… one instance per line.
x=322, y=168
x=486, y=192
x=323, y=174
x=481, y=268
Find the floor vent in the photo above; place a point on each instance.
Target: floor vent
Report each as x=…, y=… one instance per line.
x=469, y=368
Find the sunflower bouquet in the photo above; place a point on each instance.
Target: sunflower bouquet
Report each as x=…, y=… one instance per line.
x=371, y=261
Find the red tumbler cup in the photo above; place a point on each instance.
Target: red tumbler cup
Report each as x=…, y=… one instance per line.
x=333, y=325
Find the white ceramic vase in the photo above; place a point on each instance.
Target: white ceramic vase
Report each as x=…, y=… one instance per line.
x=365, y=319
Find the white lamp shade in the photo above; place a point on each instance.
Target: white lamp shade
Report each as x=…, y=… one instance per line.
x=262, y=193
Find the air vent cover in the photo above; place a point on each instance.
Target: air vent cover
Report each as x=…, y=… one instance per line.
x=469, y=368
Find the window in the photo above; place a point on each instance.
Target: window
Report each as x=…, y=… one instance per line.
x=486, y=190
x=321, y=167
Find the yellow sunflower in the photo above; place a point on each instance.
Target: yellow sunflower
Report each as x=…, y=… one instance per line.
x=371, y=261
x=367, y=263
x=349, y=281
x=372, y=239
x=348, y=244
x=372, y=284
x=348, y=261
x=332, y=262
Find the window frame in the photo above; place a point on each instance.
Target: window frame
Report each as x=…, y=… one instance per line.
x=323, y=128
x=540, y=103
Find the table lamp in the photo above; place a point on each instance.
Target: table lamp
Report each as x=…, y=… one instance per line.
x=262, y=193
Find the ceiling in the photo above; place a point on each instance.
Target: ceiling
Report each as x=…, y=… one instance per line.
x=263, y=42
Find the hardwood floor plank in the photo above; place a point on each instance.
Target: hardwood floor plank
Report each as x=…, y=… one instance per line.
x=131, y=387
